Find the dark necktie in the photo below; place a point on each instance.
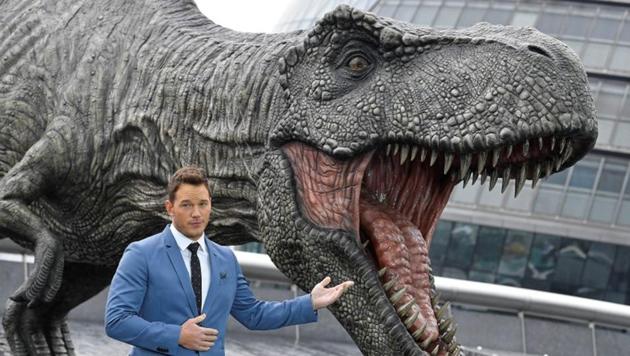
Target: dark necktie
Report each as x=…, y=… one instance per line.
x=195, y=273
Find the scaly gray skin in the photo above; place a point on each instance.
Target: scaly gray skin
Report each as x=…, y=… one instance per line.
x=100, y=101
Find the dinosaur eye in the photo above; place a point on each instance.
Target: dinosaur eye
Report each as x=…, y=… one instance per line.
x=358, y=64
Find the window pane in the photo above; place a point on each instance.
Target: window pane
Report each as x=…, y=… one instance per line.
x=425, y=15
x=625, y=32
x=624, y=212
x=621, y=59
x=542, y=259
x=571, y=259
x=499, y=17
x=386, y=10
x=460, y=250
x=488, y=249
x=439, y=243
x=620, y=275
x=471, y=16
x=612, y=176
x=603, y=209
x=524, y=19
x=551, y=23
x=490, y=197
x=622, y=133
x=605, y=28
x=515, y=253
x=578, y=26
x=548, y=201
x=559, y=178
x=465, y=195
x=447, y=17
x=575, y=205
x=584, y=174
x=524, y=200
x=609, y=98
x=596, y=55
x=598, y=265
x=604, y=131
x=405, y=12
x=485, y=277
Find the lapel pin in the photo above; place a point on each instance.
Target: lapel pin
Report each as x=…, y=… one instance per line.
x=223, y=275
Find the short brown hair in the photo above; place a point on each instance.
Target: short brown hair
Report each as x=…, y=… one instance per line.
x=187, y=175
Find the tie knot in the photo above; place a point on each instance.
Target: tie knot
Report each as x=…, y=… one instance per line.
x=193, y=247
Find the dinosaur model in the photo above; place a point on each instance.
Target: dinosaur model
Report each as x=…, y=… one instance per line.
x=336, y=147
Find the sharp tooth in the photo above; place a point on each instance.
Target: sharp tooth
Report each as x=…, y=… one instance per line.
x=366, y=243
x=445, y=324
x=404, y=152
x=457, y=351
x=541, y=143
x=481, y=161
x=418, y=333
x=449, y=335
x=496, y=153
x=426, y=343
x=414, y=152
x=395, y=148
x=434, y=155
x=494, y=176
x=548, y=167
x=464, y=164
x=508, y=151
x=389, y=148
x=436, y=349
x=562, y=143
x=411, y=319
x=467, y=178
x=382, y=272
x=396, y=297
x=451, y=348
x=506, y=179
x=557, y=162
x=525, y=148
x=567, y=153
x=553, y=142
x=423, y=154
x=405, y=308
x=484, y=176
x=387, y=286
x=475, y=175
x=535, y=174
x=448, y=159
x=440, y=313
x=520, y=179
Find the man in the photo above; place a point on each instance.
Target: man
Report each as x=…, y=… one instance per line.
x=173, y=291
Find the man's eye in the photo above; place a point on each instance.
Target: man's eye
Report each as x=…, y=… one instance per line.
x=358, y=64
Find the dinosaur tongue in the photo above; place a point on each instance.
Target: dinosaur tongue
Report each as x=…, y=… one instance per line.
x=399, y=246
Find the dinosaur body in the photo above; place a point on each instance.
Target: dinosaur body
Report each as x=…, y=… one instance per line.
x=303, y=134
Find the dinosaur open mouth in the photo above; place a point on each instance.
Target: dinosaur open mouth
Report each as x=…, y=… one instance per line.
x=392, y=197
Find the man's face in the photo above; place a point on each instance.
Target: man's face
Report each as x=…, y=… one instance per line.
x=190, y=212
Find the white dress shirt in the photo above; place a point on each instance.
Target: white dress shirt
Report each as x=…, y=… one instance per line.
x=202, y=253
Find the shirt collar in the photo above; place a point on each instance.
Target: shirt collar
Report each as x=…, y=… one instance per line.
x=183, y=241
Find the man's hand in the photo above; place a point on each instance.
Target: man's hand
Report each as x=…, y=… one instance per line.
x=195, y=337
x=322, y=297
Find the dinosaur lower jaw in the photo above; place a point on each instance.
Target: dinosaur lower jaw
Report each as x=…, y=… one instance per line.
x=395, y=207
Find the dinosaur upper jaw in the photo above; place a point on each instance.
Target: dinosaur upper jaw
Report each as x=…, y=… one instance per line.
x=390, y=199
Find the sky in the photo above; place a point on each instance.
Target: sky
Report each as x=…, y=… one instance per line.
x=244, y=15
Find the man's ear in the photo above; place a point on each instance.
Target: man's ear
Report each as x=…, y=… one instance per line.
x=169, y=207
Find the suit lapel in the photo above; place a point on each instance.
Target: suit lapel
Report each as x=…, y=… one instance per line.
x=178, y=265
x=214, y=277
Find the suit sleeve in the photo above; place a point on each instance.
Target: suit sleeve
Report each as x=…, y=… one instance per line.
x=263, y=315
x=125, y=298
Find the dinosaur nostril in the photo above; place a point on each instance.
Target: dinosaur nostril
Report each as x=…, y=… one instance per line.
x=538, y=50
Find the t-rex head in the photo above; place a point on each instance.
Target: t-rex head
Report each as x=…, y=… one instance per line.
x=381, y=120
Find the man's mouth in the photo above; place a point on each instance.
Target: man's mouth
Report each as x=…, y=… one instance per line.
x=391, y=197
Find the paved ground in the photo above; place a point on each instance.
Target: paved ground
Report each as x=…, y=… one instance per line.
x=90, y=340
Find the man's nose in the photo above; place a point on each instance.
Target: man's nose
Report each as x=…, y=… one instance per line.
x=196, y=211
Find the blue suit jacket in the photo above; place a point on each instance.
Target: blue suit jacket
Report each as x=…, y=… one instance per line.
x=151, y=297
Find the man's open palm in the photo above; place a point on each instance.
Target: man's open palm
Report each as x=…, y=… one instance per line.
x=322, y=297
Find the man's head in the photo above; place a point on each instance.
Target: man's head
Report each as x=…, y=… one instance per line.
x=189, y=202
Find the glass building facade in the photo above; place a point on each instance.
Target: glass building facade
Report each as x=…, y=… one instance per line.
x=569, y=234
